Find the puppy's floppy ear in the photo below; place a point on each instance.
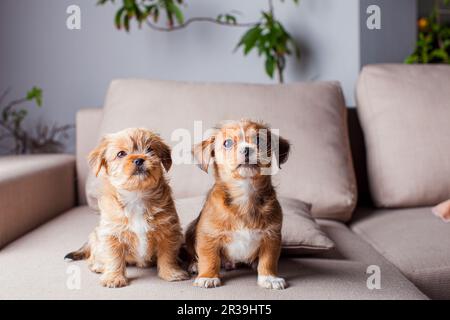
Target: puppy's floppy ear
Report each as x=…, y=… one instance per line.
x=97, y=158
x=203, y=152
x=165, y=154
x=281, y=147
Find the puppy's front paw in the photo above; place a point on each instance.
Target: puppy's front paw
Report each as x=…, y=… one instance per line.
x=271, y=282
x=113, y=281
x=174, y=275
x=207, y=282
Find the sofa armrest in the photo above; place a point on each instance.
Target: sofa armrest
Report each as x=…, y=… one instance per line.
x=33, y=189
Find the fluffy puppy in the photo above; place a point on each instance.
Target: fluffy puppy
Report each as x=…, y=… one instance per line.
x=241, y=219
x=138, y=219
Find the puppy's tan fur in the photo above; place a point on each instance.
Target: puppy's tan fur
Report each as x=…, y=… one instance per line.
x=241, y=219
x=138, y=220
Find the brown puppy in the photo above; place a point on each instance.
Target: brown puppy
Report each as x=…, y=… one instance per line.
x=138, y=219
x=241, y=219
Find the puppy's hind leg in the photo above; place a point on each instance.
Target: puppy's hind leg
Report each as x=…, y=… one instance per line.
x=95, y=265
x=228, y=265
x=193, y=267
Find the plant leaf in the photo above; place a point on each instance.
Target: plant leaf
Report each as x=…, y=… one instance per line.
x=249, y=39
x=270, y=66
x=35, y=94
x=173, y=8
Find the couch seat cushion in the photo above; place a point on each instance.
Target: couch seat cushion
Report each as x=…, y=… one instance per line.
x=312, y=116
x=415, y=241
x=33, y=267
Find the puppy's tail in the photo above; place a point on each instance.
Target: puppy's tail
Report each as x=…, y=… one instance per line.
x=81, y=254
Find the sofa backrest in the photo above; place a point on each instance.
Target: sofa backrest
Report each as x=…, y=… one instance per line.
x=312, y=115
x=87, y=132
x=404, y=112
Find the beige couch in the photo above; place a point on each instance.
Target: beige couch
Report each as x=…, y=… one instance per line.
x=44, y=215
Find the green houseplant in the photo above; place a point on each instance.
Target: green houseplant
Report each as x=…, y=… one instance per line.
x=43, y=139
x=433, y=44
x=267, y=35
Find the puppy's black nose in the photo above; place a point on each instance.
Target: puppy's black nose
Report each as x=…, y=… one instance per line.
x=247, y=152
x=139, y=162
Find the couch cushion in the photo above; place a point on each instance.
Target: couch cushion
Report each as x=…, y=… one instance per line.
x=415, y=241
x=311, y=115
x=33, y=267
x=300, y=233
x=404, y=112
x=88, y=124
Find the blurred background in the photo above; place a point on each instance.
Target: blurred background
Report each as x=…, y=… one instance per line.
x=73, y=68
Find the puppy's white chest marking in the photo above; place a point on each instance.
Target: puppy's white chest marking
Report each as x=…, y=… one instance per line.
x=243, y=244
x=135, y=211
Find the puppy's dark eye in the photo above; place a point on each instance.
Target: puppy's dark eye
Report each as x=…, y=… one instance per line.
x=148, y=150
x=121, y=154
x=228, y=143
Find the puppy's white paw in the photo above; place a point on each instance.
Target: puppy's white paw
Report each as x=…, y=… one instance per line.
x=207, y=282
x=271, y=282
x=113, y=281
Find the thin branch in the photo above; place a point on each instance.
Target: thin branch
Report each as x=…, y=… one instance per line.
x=199, y=19
x=14, y=103
x=271, y=9
x=4, y=94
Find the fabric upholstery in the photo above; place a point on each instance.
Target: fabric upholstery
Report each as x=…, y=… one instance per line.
x=33, y=267
x=415, y=241
x=300, y=233
x=311, y=115
x=33, y=189
x=88, y=124
x=404, y=112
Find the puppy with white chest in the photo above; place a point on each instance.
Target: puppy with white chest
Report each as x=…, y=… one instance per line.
x=241, y=219
x=138, y=220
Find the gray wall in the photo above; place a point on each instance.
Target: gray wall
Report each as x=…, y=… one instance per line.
x=75, y=67
x=397, y=36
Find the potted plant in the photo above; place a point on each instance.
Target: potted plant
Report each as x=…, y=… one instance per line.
x=433, y=44
x=267, y=35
